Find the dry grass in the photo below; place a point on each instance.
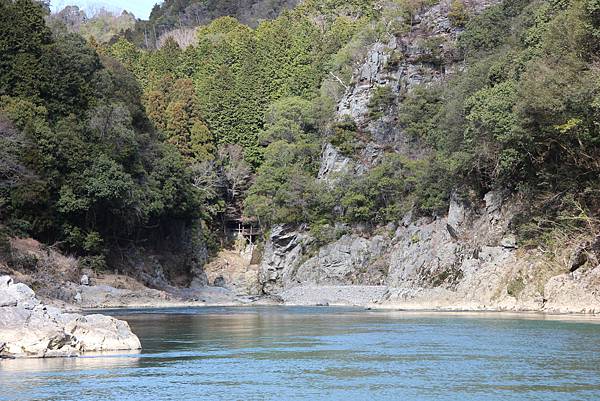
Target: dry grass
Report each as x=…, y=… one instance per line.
x=37, y=265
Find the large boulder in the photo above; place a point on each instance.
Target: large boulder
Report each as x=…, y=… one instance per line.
x=31, y=329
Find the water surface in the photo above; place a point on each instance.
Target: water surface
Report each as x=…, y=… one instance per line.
x=281, y=353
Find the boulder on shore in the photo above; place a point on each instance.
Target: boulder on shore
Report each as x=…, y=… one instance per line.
x=30, y=329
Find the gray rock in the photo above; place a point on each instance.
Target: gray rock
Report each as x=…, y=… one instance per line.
x=493, y=204
x=333, y=163
x=16, y=294
x=283, y=252
x=349, y=260
x=31, y=329
x=458, y=213
x=85, y=280
x=579, y=256
x=219, y=282
x=509, y=242
x=5, y=281
x=101, y=333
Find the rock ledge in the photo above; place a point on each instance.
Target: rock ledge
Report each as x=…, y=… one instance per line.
x=30, y=329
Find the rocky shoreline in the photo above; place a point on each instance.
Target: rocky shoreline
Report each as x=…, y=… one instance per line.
x=31, y=329
x=361, y=296
x=381, y=297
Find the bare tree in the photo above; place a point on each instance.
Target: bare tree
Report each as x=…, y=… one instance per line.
x=236, y=170
x=184, y=37
x=206, y=179
x=12, y=145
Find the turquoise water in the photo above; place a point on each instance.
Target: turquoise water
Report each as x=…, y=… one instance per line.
x=280, y=353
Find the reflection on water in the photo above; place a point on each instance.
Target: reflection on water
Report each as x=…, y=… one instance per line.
x=91, y=360
x=312, y=353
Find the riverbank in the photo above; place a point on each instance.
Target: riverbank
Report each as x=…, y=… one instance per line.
x=31, y=328
x=58, y=281
x=132, y=294
x=381, y=297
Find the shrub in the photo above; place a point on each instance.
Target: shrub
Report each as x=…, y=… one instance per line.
x=381, y=101
x=458, y=14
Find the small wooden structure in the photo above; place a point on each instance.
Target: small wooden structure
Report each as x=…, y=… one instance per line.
x=248, y=231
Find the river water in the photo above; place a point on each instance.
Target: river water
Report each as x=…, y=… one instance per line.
x=285, y=353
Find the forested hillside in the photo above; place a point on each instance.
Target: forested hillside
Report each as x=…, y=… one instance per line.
x=182, y=15
x=222, y=101
x=102, y=26
x=521, y=115
x=110, y=144
x=82, y=166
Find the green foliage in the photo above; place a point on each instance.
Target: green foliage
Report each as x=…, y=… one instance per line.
x=23, y=37
x=238, y=72
x=345, y=137
x=487, y=31
x=82, y=166
x=243, y=113
x=381, y=100
x=96, y=263
x=458, y=13
x=516, y=286
x=523, y=116
x=174, y=108
x=172, y=14
x=101, y=27
x=285, y=189
x=432, y=54
x=390, y=190
x=324, y=233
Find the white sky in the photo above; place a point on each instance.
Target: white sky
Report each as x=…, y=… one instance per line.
x=140, y=8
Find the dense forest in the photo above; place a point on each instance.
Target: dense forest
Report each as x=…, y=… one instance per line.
x=106, y=142
x=170, y=19
x=82, y=165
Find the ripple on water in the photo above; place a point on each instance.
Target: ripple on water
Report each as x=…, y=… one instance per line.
x=326, y=353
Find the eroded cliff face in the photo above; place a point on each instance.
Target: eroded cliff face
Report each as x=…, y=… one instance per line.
x=426, y=54
x=468, y=259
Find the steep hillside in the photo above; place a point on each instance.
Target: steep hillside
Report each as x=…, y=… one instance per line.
x=101, y=27
x=172, y=18
x=419, y=153
x=82, y=168
x=437, y=116
x=176, y=13
x=181, y=15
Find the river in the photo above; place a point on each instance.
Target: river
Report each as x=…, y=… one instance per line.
x=287, y=353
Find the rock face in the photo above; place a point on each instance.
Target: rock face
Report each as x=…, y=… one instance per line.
x=470, y=259
x=235, y=270
x=333, y=162
x=283, y=253
x=467, y=260
x=350, y=260
x=426, y=54
x=30, y=329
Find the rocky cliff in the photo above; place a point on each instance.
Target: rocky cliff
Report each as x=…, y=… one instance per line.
x=467, y=259
x=427, y=53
